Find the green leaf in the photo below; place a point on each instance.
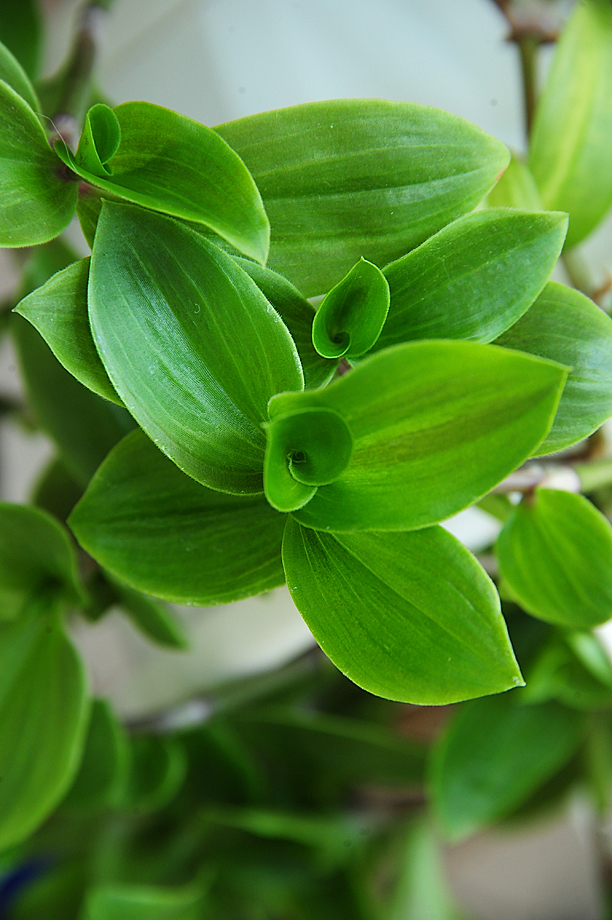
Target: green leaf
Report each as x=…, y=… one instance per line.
x=43, y=717
x=153, y=619
x=571, y=142
x=157, y=770
x=360, y=177
x=104, y=765
x=190, y=343
x=58, y=310
x=142, y=902
x=561, y=673
x=517, y=188
x=565, y=326
x=20, y=28
x=13, y=73
x=494, y=756
x=435, y=426
x=38, y=197
x=350, y=318
x=297, y=314
x=407, y=616
x=555, y=552
x=165, y=534
x=304, y=450
x=36, y=557
x=83, y=425
x=159, y=159
x=474, y=278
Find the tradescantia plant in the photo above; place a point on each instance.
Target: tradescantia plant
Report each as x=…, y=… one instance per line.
x=302, y=341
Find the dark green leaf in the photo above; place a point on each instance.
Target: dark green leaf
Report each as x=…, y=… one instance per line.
x=565, y=326
x=190, y=343
x=474, y=278
x=435, y=426
x=560, y=673
x=56, y=491
x=350, y=318
x=58, y=310
x=104, y=764
x=38, y=198
x=495, y=754
x=13, y=73
x=150, y=617
x=20, y=28
x=142, y=902
x=297, y=314
x=555, y=552
x=162, y=160
x=157, y=770
x=36, y=556
x=43, y=718
x=165, y=534
x=83, y=425
x=571, y=142
x=360, y=177
x=407, y=616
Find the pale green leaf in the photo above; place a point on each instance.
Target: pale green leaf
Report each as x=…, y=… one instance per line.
x=407, y=616
x=190, y=343
x=555, y=552
x=435, y=426
x=159, y=159
x=517, y=188
x=565, y=326
x=348, y=178
x=571, y=143
x=163, y=533
x=474, y=278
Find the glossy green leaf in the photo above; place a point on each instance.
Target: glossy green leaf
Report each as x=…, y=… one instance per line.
x=190, y=343
x=36, y=556
x=407, y=616
x=571, y=142
x=351, y=316
x=435, y=426
x=38, y=198
x=157, y=770
x=83, y=426
x=297, y=314
x=474, y=278
x=58, y=310
x=43, y=717
x=348, y=178
x=142, y=902
x=517, y=188
x=157, y=158
x=304, y=450
x=165, y=534
x=565, y=326
x=104, y=765
x=555, y=553
x=13, y=73
x=494, y=755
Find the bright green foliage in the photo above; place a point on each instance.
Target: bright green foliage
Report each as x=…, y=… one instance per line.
x=190, y=343
x=140, y=902
x=350, y=318
x=103, y=769
x=408, y=616
x=38, y=197
x=555, y=552
x=162, y=160
x=517, y=188
x=571, y=154
x=435, y=425
x=12, y=72
x=58, y=310
x=36, y=557
x=494, y=755
x=565, y=326
x=474, y=278
x=163, y=533
x=389, y=174
x=43, y=717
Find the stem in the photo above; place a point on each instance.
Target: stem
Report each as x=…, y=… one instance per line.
x=76, y=84
x=528, y=46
